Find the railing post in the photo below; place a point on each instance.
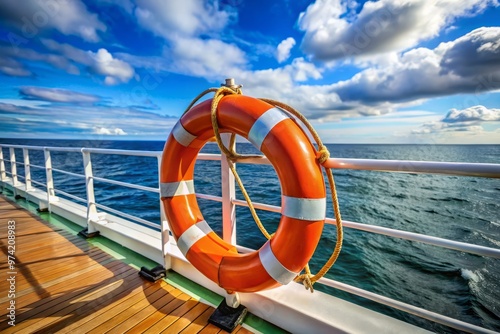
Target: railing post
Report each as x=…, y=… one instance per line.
x=27, y=171
x=50, y=182
x=3, y=176
x=13, y=170
x=228, y=194
x=165, y=229
x=89, y=186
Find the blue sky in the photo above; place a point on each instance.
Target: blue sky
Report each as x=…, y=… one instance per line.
x=388, y=71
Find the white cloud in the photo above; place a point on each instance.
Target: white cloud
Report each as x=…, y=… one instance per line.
x=101, y=62
x=115, y=70
x=57, y=95
x=73, y=18
x=210, y=58
x=174, y=19
x=467, y=120
x=470, y=64
x=98, y=130
x=68, y=51
x=191, y=29
x=284, y=48
x=68, y=17
x=407, y=80
x=380, y=27
x=473, y=114
x=13, y=68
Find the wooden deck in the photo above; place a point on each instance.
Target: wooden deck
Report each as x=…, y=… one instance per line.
x=63, y=284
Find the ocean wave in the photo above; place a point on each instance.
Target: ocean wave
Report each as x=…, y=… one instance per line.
x=471, y=276
x=449, y=199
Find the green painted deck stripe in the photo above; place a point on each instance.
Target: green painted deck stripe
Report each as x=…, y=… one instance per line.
x=136, y=260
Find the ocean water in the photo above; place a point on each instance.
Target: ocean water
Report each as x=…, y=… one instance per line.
x=466, y=209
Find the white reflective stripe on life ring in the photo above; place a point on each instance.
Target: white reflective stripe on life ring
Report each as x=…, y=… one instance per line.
x=171, y=189
x=192, y=235
x=274, y=267
x=264, y=124
x=182, y=136
x=304, y=208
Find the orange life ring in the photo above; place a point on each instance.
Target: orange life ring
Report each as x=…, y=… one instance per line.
x=288, y=149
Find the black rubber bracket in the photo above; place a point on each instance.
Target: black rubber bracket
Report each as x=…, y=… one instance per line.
x=42, y=210
x=19, y=197
x=226, y=317
x=154, y=274
x=85, y=234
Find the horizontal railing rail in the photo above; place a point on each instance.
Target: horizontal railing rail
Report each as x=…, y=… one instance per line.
x=126, y=184
x=67, y=173
x=126, y=215
x=435, y=241
x=76, y=198
x=152, y=154
x=402, y=166
x=39, y=183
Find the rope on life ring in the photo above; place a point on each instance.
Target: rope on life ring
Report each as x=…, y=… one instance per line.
x=281, y=139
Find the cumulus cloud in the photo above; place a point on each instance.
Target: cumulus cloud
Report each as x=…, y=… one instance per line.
x=209, y=58
x=406, y=80
x=379, y=27
x=465, y=120
x=102, y=62
x=171, y=19
x=115, y=70
x=191, y=29
x=284, y=48
x=448, y=69
x=473, y=54
x=472, y=114
x=68, y=17
x=56, y=95
x=98, y=130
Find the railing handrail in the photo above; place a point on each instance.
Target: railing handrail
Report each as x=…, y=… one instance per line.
x=424, y=238
x=476, y=169
x=490, y=170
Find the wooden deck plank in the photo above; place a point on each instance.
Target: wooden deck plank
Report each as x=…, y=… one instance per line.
x=35, y=317
x=147, y=311
x=210, y=329
x=198, y=324
x=125, y=309
x=64, y=284
x=90, y=303
x=172, y=317
x=43, y=290
x=186, y=319
x=157, y=316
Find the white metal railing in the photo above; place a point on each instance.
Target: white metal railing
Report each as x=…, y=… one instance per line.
x=229, y=202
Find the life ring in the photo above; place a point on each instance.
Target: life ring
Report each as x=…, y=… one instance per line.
x=303, y=201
